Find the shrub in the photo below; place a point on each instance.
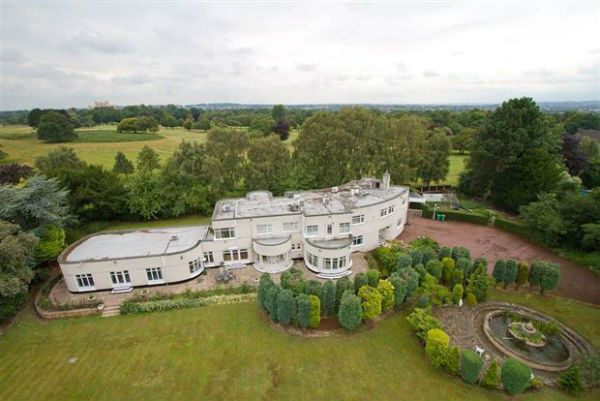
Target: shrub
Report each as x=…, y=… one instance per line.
x=293, y=279
x=522, y=273
x=181, y=302
x=457, y=293
x=590, y=371
x=315, y=311
x=458, y=277
x=448, y=266
x=428, y=254
x=303, y=305
x=412, y=280
x=536, y=383
x=550, y=277
x=460, y=252
x=341, y=286
x=445, y=252
x=371, y=301
x=386, y=258
x=360, y=280
x=386, y=289
x=271, y=302
x=416, y=256
x=470, y=366
x=422, y=321
x=511, y=272
x=453, y=365
x=570, y=380
x=436, y=347
x=515, y=376
x=499, y=271
x=421, y=270
x=471, y=299
x=479, y=283
x=512, y=227
x=264, y=285
x=400, y=288
x=491, y=378
x=350, y=312
x=314, y=287
x=424, y=242
x=285, y=306
x=464, y=265
x=434, y=267
x=423, y=301
x=480, y=262
x=405, y=261
x=372, y=278
x=535, y=273
x=328, y=298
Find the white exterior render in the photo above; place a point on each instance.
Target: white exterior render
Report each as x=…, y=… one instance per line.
x=322, y=226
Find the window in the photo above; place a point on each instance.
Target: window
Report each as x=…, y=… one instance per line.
x=85, y=280
x=208, y=257
x=264, y=228
x=154, y=274
x=383, y=212
x=359, y=219
x=194, y=265
x=344, y=228
x=290, y=227
x=342, y=262
x=312, y=230
x=312, y=259
x=235, y=254
x=223, y=233
x=334, y=263
x=391, y=209
x=119, y=278
x=327, y=263
x=358, y=240
x=329, y=229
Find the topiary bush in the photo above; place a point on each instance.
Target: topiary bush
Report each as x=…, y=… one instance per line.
x=428, y=254
x=372, y=278
x=453, y=365
x=264, y=285
x=511, y=272
x=303, y=306
x=386, y=289
x=400, y=288
x=535, y=273
x=328, y=304
x=315, y=311
x=491, y=377
x=434, y=267
x=515, y=376
x=457, y=293
x=360, y=280
x=371, y=301
x=285, y=306
x=436, y=347
x=416, y=256
x=458, y=277
x=550, y=277
x=522, y=273
x=499, y=271
x=471, y=299
x=445, y=252
x=461, y=252
x=271, y=303
x=405, y=261
x=341, y=285
x=412, y=280
x=448, y=269
x=464, y=265
x=350, y=311
x=314, y=287
x=470, y=366
x=293, y=279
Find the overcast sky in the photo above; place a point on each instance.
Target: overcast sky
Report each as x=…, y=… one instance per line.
x=70, y=54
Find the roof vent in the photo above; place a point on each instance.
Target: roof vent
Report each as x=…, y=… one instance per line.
x=301, y=202
x=326, y=201
x=174, y=237
x=226, y=208
x=334, y=189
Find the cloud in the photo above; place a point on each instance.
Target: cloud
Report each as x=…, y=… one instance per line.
x=306, y=67
x=102, y=43
x=430, y=74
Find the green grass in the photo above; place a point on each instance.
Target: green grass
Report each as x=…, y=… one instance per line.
x=22, y=145
x=590, y=259
x=228, y=352
x=457, y=165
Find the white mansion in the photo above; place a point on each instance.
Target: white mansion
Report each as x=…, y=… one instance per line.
x=322, y=226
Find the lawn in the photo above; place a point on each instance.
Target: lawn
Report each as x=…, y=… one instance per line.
x=228, y=352
x=96, y=145
x=457, y=165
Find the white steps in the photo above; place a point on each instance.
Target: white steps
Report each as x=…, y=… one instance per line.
x=333, y=276
x=121, y=290
x=109, y=311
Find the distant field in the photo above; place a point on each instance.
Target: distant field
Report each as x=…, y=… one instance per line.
x=457, y=165
x=96, y=145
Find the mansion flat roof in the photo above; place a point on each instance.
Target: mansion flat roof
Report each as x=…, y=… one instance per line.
x=131, y=244
x=343, y=199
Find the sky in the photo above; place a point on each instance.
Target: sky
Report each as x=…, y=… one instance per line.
x=69, y=54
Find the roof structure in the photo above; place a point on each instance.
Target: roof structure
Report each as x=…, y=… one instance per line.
x=335, y=200
x=130, y=244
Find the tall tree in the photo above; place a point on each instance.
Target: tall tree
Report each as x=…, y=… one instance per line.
x=572, y=154
x=278, y=112
x=225, y=158
x=268, y=165
x=148, y=160
x=434, y=165
x=514, y=157
x=58, y=161
x=55, y=127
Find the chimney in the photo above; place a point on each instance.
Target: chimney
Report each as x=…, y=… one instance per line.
x=385, y=183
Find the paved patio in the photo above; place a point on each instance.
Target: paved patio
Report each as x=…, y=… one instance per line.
x=206, y=281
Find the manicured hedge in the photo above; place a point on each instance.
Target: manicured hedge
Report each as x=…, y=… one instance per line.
x=129, y=307
x=468, y=217
x=470, y=366
x=514, y=227
x=515, y=376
